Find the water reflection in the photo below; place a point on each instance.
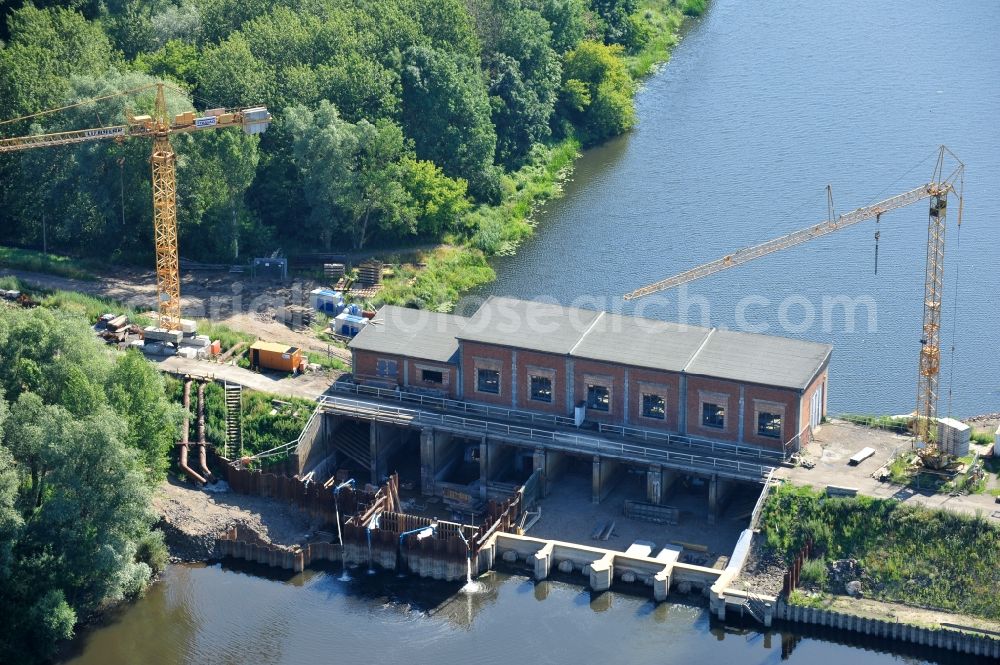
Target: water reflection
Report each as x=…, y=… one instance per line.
x=227, y=614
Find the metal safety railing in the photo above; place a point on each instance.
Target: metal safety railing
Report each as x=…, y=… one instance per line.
x=628, y=433
x=564, y=440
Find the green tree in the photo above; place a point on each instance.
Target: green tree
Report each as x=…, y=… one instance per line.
x=569, y=21
x=446, y=111
x=524, y=76
x=230, y=75
x=174, y=60
x=351, y=173
x=74, y=482
x=436, y=202
x=621, y=25
x=45, y=48
x=135, y=392
x=597, y=91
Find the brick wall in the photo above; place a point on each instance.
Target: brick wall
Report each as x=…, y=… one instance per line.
x=615, y=377
x=818, y=383
x=470, y=352
x=449, y=375
x=651, y=381
x=760, y=398
x=407, y=374
x=726, y=392
x=365, y=368
x=543, y=364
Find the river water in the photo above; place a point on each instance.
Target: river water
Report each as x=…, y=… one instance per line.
x=759, y=109
x=225, y=616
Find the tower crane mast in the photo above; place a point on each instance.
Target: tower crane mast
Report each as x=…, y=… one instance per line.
x=158, y=127
x=937, y=190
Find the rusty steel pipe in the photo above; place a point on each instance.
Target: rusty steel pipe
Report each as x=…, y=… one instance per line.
x=184, y=436
x=202, y=443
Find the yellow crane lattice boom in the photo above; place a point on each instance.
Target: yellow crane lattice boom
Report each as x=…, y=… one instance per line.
x=930, y=342
x=159, y=126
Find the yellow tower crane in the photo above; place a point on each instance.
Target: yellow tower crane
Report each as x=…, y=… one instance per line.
x=937, y=191
x=159, y=127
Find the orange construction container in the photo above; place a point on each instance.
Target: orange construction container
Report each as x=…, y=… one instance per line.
x=215, y=348
x=271, y=355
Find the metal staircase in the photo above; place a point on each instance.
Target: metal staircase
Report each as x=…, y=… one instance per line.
x=755, y=606
x=234, y=420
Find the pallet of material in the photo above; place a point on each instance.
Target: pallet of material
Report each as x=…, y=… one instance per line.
x=649, y=512
x=362, y=291
x=370, y=273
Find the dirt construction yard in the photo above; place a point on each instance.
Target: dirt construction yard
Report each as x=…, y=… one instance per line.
x=834, y=444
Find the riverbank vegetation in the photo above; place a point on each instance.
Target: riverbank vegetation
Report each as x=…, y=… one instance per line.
x=395, y=122
x=904, y=554
x=84, y=435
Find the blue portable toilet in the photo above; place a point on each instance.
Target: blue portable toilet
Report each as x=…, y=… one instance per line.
x=348, y=324
x=327, y=301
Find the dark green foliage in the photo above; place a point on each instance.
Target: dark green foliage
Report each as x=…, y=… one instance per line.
x=908, y=554
x=446, y=111
x=693, y=7
x=83, y=433
x=476, y=86
x=621, y=26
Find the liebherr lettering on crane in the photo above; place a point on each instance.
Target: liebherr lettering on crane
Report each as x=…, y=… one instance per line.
x=104, y=131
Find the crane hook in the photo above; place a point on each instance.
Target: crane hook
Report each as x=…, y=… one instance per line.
x=878, y=233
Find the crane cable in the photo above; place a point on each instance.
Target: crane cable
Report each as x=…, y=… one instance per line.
x=954, y=313
x=80, y=103
x=878, y=218
x=91, y=100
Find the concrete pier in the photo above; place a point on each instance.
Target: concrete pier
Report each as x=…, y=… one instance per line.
x=602, y=572
x=719, y=492
x=604, y=477
x=543, y=562
x=602, y=565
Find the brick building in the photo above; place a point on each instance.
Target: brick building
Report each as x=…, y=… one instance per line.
x=606, y=368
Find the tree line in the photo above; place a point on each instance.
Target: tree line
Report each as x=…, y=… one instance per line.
x=394, y=120
x=84, y=436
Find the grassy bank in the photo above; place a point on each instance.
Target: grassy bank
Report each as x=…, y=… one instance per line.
x=906, y=554
x=461, y=264
x=52, y=264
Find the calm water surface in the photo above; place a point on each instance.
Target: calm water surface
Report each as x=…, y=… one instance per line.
x=759, y=110
x=223, y=616
x=761, y=107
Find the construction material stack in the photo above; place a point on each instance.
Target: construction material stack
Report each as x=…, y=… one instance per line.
x=953, y=437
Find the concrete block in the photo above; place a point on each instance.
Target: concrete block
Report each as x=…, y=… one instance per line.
x=661, y=585
x=543, y=562
x=601, y=572
x=162, y=335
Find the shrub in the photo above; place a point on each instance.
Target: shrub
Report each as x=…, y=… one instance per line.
x=814, y=572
